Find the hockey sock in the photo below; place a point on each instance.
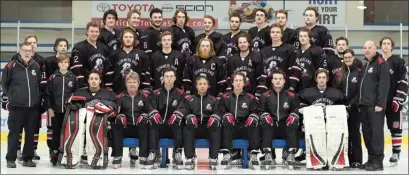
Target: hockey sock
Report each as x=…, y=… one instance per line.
x=396, y=142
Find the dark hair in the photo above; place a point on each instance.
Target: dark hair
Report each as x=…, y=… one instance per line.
x=340, y=73
x=244, y=35
x=94, y=71
x=127, y=30
x=261, y=10
x=166, y=33
x=110, y=12
x=211, y=18
x=155, y=10
x=240, y=73
x=387, y=38
x=63, y=57
x=304, y=29
x=235, y=14
x=322, y=70
x=313, y=9
x=92, y=24
x=168, y=70
x=201, y=77
x=285, y=12
x=340, y=39
x=276, y=25
x=57, y=42
x=277, y=71
x=176, y=14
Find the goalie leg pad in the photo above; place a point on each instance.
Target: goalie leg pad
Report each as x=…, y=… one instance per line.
x=96, y=134
x=72, y=138
x=315, y=137
x=337, y=136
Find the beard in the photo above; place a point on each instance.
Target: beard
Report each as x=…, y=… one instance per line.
x=205, y=54
x=341, y=53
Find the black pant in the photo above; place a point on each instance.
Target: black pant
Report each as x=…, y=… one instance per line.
x=131, y=131
x=239, y=131
x=354, y=141
x=190, y=134
x=394, y=121
x=372, y=130
x=56, y=125
x=157, y=132
x=37, y=129
x=280, y=130
x=19, y=118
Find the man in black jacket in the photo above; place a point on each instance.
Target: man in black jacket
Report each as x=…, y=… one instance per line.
x=372, y=96
x=21, y=82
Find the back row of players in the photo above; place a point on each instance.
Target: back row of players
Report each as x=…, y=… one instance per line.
x=299, y=53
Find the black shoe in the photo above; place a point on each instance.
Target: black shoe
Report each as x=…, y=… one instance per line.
x=355, y=165
x=374, y=166
x=29, y=163
x=363, y=166
x=11, y=164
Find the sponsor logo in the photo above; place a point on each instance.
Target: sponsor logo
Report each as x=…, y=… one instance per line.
x=197, y=8
x=167, y=8
x=103, y=7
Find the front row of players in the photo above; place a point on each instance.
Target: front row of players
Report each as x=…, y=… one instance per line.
x=169, y=113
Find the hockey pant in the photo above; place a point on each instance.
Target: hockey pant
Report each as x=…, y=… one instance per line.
x=130, y=131
x=372, y=131
x=157, y=132
x=394, y=121
x=280, y=130
x=326, y=135
x=239, y=131
x=354, y=142
x=91, y=125
x=190, y=134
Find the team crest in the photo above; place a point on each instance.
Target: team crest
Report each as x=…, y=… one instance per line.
x=286, y=106
x=70, y=84
x=140, y=103
x=354, y=80
x=33, y=72
x=370, y=70
x=391, y=71
x=213, y=66
x=244, y=106
x=209, y=107
x=174, y=103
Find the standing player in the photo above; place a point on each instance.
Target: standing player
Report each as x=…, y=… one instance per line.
x=109, y=35
x=342, y=44
x=90, y=54
x=397, y=94
x=205, y=63
x=183, y=35
x=230, y=39
x=150, y=37
x=246, y=61
x=127, y=60
x=282, y=56
x=51, y=63
x=374, y=83
x=209, y=25
x=260, y=34
x=289, y=34
x=166, y=58
x=134, y=20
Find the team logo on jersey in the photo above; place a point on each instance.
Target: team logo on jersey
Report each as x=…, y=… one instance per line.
x=98, y=64
x=209, y=107
x=370, y=70
x=33, y=72
x=255, y=47
x=244, y=106
x=391, y=71
x=70, y=84
x=286, y=106
x=174, y=103
x=140, y=103
x=176, y=61
x=213, y=66
x=354, y=80
x=126, y=69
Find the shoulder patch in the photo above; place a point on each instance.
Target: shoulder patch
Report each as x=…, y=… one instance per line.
x=250, y=95
x=213, y=98
x=266, y=93
x=180, y=91
x=291, y=94
x=380, y=60
x=188, y=97
x=225, y=95
x=145, y=95
x=51, y=77
x=156, y=91
x=119, y=95
x=10, y=64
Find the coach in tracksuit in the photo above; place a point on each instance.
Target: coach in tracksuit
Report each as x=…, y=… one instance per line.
x=373, y=92
x=21, y=82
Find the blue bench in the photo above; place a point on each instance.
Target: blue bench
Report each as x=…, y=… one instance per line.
x=203, y=143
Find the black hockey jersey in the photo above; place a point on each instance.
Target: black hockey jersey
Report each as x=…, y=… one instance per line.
x=183, y=40
x=279, y=104
x=110, y=39
x=165, y=102
x=125, y=63
x=398, y=89
x=217, y=39
x=138, y=33
x=251, y=66
x=313, y=96
x=132, y=107
x=320, y=37
x=260, y=39
x=200, y=106
x=150, y=39
x=93, y=98
x=289, y=36
x=310, y=61
x=230, y=44
x=160, y=61
x=51, y=65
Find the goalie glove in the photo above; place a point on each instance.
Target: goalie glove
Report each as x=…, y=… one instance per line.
x=103, y=109
x=76, y=102
x=191, y=120
x=121, y=118
x=252, y=120
x=175, y=118
x=228, y=119
x=154, y=117
x=214, y=121
x=143, y=118
x=266, y=119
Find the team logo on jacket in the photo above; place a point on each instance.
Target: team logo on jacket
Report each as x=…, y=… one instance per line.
x=209, y=107
x=354, y=80
x=70, y=84
x=33, y=72
x=370, y=70
x=391, y=71
x=174, y=103
x=140, y=103
x=244, y=106
x=286, y=106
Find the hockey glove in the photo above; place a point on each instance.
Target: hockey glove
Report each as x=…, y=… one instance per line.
x=103, y=109
x=121, y=119
x=396, y=106
x=214, y=121
x=228, y=120
x=191, y=120
x=266, y=119
x=175, y=118
x=155, y=118
x=76, y=102
x=143, y=118
x=292, y=118
x=252, y=120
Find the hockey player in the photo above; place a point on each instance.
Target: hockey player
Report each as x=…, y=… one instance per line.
x=324, y=149
x=342, y=44
x=209, y=25
x=206, y=63
x=239, y=111
x=397, y=94
x=246, y=61
x=109, y=35
x=133, y=107
x=312, y=58
x=374, y=83
x=150, y=37
x=202, y=122
x=61, y=84
x=260, y=34
x=87, y=116
x=282, y=56
x=134, y=20
x=129, y=59
x=183, y=35
x=289, y=34
x=166, y=58
x=346, y=80
x=320, y=35
x=279, y=120
x=21, y=79
x=90, y=54
x=51, y=63
x=230, y=39
x=162, y=104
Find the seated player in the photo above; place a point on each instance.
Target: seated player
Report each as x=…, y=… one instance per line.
x=132, y=108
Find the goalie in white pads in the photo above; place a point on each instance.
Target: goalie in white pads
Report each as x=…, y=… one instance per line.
x=325, y=121
x=87, y=114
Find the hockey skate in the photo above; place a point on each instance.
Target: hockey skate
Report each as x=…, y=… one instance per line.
x=190, y=164
x=267, y=162
x=54, y=157
x=133, y=155
x=226, y=161
x=117, y=162
x=36, y=158
x=142, y=162
x=253, y=161
x=290, y=161
x=177, y=159
x=394, y=159
x=212, y=164
x=236, y=159
x=150, y=162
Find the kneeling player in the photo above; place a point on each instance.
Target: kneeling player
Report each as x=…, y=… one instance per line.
x=240, y=120
x=87, y=114
x=325, y=121
x=278, y=106
x=199, y=111
x=132, y=109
